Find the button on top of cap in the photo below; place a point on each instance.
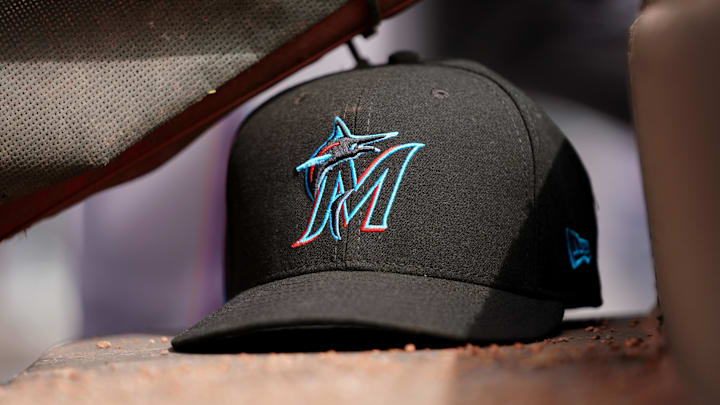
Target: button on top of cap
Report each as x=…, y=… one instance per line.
x=404, y=57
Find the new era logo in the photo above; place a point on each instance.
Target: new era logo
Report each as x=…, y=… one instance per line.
x=578, y=249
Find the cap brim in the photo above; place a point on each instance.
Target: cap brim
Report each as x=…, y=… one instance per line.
x=425, y=306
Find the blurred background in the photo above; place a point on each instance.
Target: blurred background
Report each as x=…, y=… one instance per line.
x=148, y=255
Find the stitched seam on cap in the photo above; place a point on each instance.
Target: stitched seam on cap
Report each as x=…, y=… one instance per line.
x=530, y=141
x=348, y=232
x=517, y=106
x=354, y=266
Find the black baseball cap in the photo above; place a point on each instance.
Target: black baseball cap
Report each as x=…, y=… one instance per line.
x=432, y=198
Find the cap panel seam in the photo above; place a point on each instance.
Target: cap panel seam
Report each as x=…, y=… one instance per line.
x=348, y=232
x=495, y=287
x=365, y=266
x=529, y=134
x=517, y=107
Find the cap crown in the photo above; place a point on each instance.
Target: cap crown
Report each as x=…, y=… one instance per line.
x=439, y=170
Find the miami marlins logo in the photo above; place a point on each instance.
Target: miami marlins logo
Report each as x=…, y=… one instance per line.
x=335, y=160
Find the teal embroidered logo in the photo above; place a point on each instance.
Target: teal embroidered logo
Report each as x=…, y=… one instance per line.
x=578, y=249
x=335, y=160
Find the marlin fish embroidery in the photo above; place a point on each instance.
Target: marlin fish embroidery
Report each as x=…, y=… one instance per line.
x=343, y=147
x=347, y=147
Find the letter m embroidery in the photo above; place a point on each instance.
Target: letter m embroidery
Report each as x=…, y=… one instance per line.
x=339, y=190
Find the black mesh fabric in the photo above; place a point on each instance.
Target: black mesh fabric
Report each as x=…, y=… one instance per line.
x=81, y=81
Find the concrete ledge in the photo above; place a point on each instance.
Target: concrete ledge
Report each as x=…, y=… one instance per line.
x=621, y=361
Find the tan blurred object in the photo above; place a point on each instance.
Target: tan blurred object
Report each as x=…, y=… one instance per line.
x=674, y=66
